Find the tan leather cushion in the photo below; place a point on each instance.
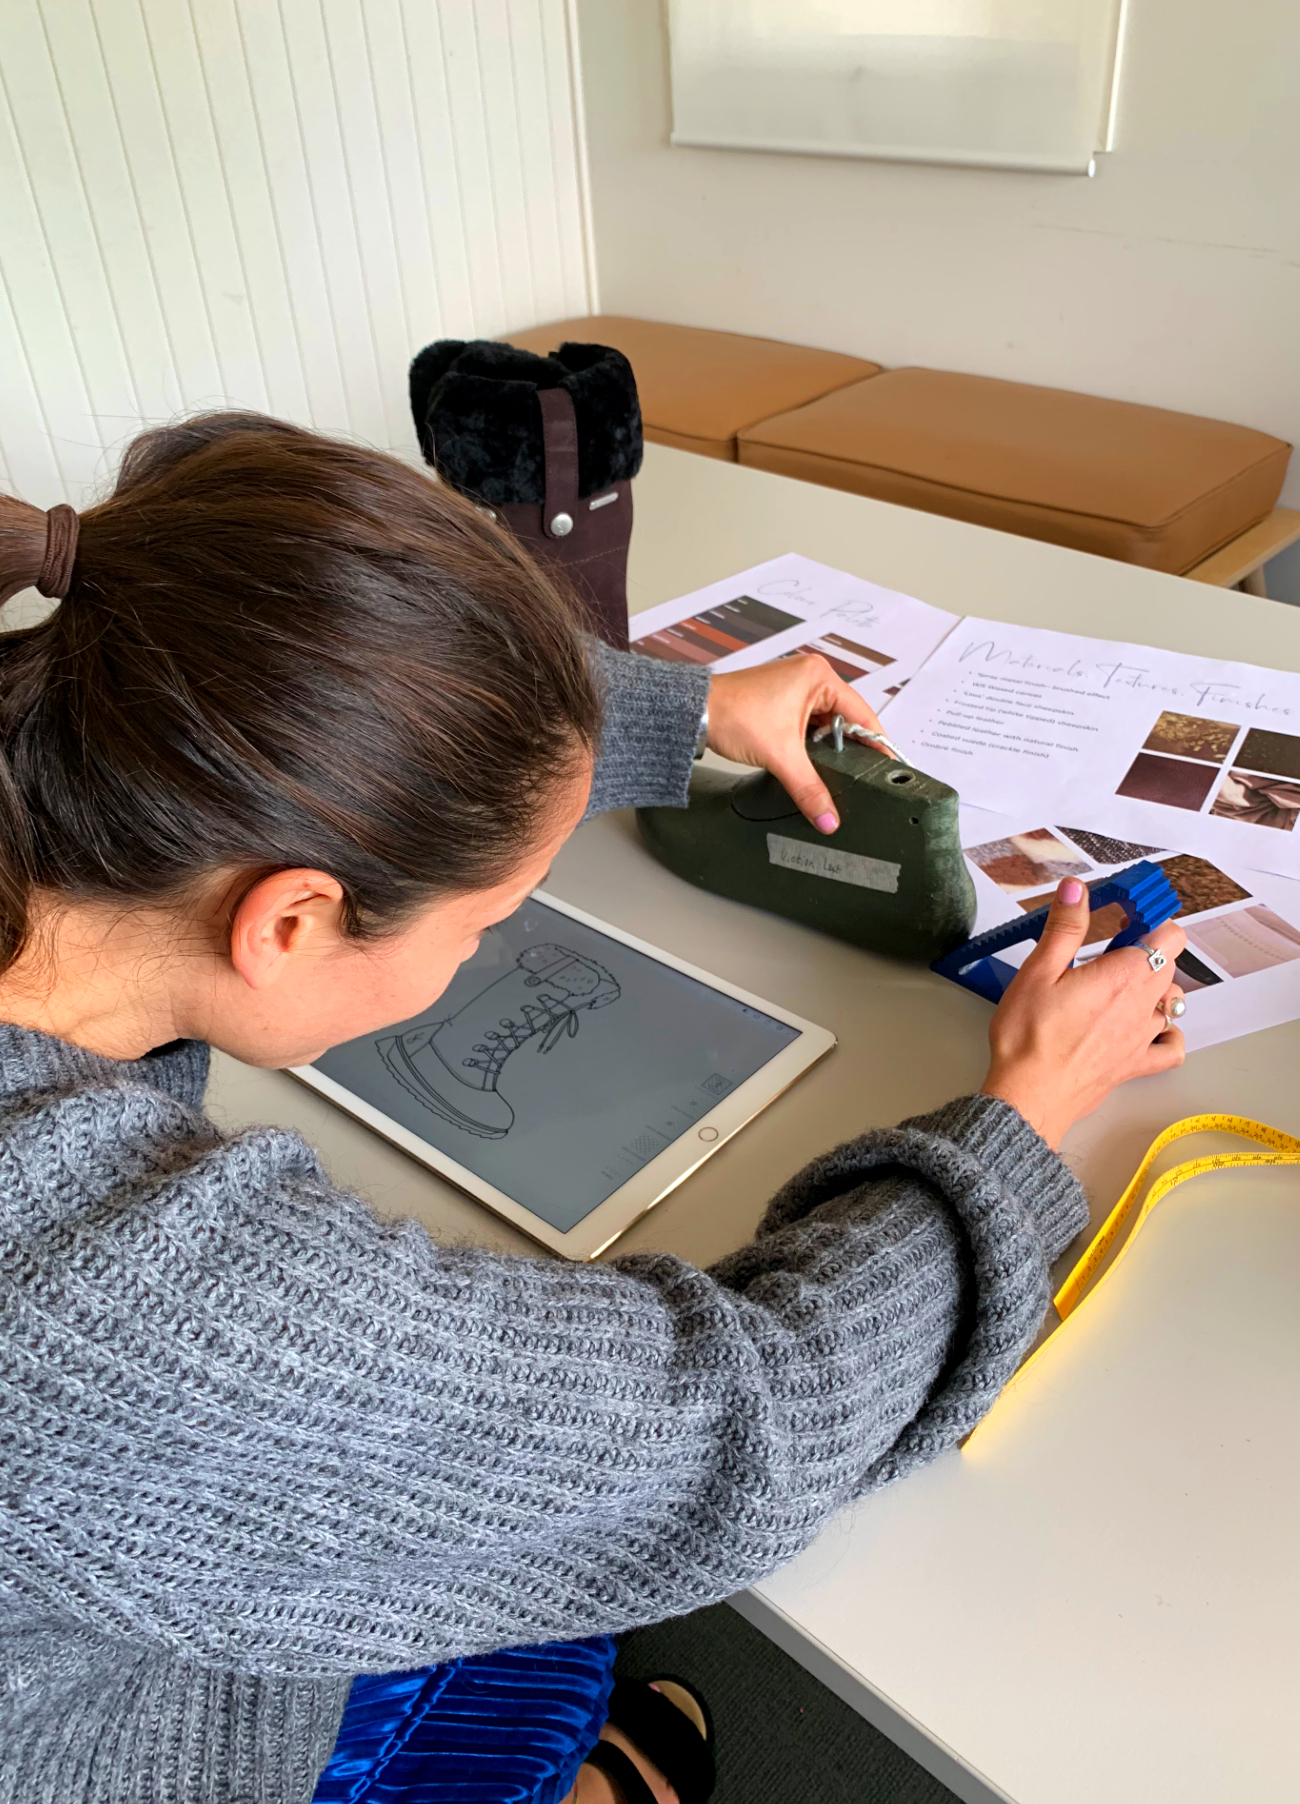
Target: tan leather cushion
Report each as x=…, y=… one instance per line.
x=699, y=388
x=1138, y=483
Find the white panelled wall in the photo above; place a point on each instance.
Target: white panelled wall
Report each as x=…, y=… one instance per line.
x=269, y=204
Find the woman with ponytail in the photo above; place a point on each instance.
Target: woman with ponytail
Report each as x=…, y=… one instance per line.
x=296, y=1503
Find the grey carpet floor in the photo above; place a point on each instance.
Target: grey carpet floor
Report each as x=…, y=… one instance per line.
x=782, y=1738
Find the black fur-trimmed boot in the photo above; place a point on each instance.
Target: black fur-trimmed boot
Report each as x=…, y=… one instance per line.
x=549, y=445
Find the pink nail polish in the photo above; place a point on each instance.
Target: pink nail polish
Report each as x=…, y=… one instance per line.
x=826, y=823
x=1072, y=891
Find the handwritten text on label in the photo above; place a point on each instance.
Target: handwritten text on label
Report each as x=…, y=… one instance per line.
x=825, y=861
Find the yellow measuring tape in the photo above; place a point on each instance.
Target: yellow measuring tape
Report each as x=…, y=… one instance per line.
x=1080, y=1281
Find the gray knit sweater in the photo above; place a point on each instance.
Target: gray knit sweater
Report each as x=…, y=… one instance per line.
x=256, y=1439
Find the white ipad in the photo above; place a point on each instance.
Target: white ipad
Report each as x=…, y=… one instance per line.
x=570, y=1076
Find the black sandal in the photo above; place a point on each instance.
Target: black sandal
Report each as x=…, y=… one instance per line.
x=667, y=1731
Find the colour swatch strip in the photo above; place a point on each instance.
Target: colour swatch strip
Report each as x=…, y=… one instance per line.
x=718, y=632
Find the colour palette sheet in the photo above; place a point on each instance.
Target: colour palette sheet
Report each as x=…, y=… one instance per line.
x=1241, y=967
x=1175, y=750
x=876, y=639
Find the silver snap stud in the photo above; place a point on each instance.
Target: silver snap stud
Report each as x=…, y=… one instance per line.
x=561, y=526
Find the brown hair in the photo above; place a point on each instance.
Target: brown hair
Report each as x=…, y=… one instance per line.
x=276, y=650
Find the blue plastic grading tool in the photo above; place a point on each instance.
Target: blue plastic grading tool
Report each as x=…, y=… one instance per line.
x=1142, y=891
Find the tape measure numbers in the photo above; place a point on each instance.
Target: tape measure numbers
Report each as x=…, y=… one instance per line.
x=1286, y=1151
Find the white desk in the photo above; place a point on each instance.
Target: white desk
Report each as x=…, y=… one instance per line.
x=1099, y=1600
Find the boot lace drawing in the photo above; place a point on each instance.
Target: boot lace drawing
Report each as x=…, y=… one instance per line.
x=453, y=1067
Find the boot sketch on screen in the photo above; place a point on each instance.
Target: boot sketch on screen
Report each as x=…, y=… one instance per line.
x=454, y=1066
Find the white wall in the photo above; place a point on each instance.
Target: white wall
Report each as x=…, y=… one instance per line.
x=268, y=203
x=1173, y=277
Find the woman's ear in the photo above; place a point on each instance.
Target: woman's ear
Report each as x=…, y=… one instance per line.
x=289, y=915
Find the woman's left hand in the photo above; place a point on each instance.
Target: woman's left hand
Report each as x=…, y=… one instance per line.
x=762, y=716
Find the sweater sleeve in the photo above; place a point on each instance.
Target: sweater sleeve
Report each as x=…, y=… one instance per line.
x=652, y=722
x=261, y=1426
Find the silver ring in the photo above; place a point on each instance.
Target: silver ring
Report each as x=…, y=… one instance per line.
x=1155, y=957
x=1174, y=1010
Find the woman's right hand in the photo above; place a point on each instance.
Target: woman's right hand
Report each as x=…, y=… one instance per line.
x=1062, y=1039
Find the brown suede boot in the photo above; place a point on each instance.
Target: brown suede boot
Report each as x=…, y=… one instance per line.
x=547, y=445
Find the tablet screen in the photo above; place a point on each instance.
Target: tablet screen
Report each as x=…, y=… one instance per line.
x=559, y=1061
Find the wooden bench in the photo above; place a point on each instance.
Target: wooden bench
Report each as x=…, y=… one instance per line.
x=1172, y=491
x=1240, y=563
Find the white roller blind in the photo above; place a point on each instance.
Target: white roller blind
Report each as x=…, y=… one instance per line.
x=1024, y=84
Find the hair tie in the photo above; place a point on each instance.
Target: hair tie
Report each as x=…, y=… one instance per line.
x=62, y=524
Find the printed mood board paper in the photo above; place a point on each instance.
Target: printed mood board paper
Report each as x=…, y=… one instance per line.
x=1175, y=750
x=1241, y=968
x=875, y=638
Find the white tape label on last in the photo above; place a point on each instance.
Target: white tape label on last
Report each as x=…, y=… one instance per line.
x=825, y=861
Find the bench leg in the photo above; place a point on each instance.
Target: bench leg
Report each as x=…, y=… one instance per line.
x=1253, y=583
